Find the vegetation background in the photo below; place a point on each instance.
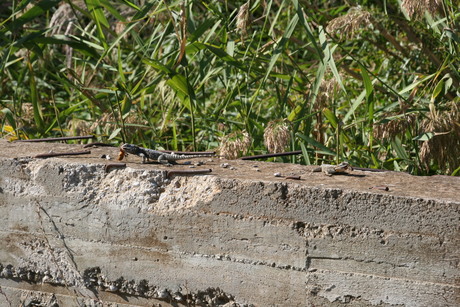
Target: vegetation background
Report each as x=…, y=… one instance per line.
x=375, y=83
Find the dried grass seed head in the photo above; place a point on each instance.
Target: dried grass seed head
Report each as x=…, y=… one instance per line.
x=62, y=20
x=326, y=93
x=235, y=144
x=444, y=146
x=417, y=8
x=27, y=110
x=277, y=135
x=242, y=19
x=80, y=127
x=394, y=127
x=346, y=26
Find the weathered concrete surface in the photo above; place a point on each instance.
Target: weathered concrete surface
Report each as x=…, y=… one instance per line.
x=72, y=233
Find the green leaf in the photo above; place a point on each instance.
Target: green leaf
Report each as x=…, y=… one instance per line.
x=333, y=67
x=81, y=46
x=144, y=12
x=179, y=83
x=22, y=5
x=202, y=28
x=95, y=8
x=126, y=105
x=108, y=6
x=354, y=106
x=415, y=84
x=316, y=85
x=158, y=65
x=315, y=144
x=294, y=113
x=367, y=82
x=369, y=92
x=331, y=117
x=437, y=90
x=281, y=76
x=50, y=126
x=129, y=3
x=328, y=56
x=375, y=160
x=424, y=136
x=281, y=45
x=452, y=35
x=456, y=172
x=29, y=38
x=9, y=117
x=220, y=53
x=448, y=83
x=305, y=153
x=114, y=133
x=38, y=117
x=102, y=24
x=38, y=9
x=399, y=149
x=304, y=23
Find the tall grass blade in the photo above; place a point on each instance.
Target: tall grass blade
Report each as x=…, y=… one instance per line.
x=305, y=153
x=359, y=100
x=300, y=12
x=38, y=117
x=397, y=146
x=314, y=143
x=369, y=93
x=10, y=118
x=281, y=45
x=328, y=52
x=331, y=117
x=37, y=10
x=102, y=24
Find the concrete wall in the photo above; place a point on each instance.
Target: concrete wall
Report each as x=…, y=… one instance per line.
x=72, y=233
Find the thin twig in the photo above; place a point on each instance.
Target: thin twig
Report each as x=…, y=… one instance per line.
x=57, y=154
x=365, y=169
x=380, y=187
x=95, y=144
x=188, y=172
x=292, y=177
x=280, y=154
x=64, y=138
x=210, y=153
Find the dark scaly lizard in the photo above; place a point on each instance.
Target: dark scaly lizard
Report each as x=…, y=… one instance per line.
x=155, y=155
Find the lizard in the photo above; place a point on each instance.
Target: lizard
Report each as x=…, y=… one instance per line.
x=155, y=155
x=330, y=170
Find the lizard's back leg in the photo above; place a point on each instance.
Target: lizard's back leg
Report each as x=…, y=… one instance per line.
x=162, y=160
x=329, y=171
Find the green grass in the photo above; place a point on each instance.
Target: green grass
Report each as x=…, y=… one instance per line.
x=378, y=91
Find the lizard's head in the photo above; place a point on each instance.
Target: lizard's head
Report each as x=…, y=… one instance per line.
x=345, y=166
x=130, y=148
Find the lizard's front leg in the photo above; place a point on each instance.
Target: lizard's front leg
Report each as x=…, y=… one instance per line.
x=162, y=159
x=145, y=159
